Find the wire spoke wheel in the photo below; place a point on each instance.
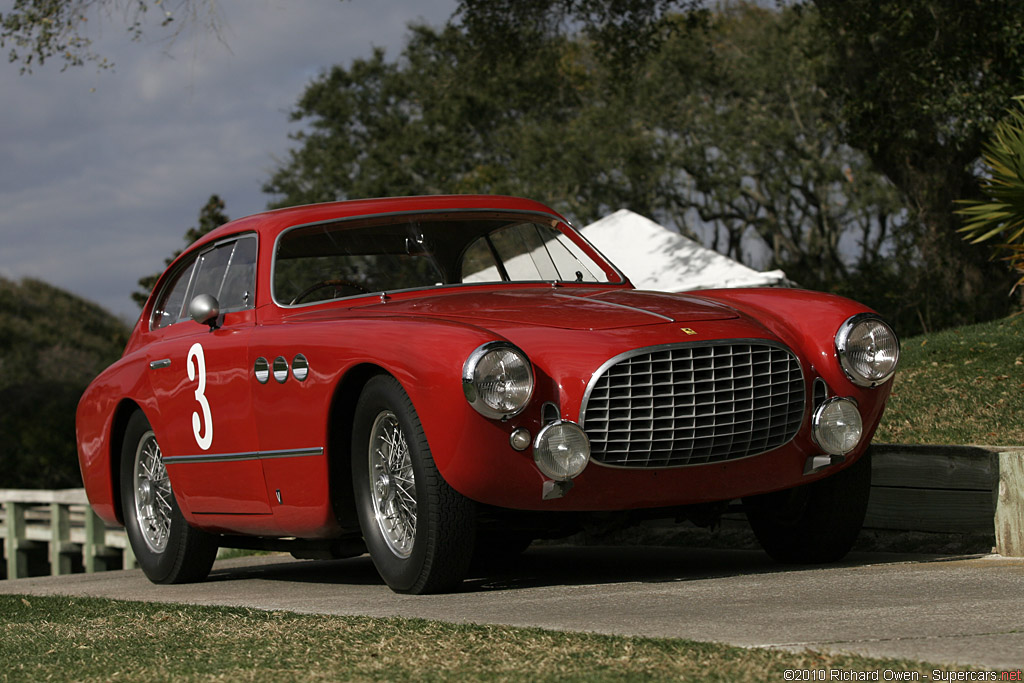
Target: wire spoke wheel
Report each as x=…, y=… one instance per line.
x=167, y=548
x=392, y=484
x=418, y=530
x=152, y=494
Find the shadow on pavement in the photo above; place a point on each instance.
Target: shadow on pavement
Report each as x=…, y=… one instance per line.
x=554, y=565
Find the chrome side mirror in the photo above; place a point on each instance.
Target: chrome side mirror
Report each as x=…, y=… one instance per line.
x=205, y=310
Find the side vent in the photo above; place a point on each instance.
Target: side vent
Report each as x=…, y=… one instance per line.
x=820, y=393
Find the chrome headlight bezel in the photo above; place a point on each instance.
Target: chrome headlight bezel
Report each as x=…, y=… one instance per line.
x=472, y=380
x=845, y=350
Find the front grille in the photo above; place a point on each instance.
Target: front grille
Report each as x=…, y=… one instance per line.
x=692, y=404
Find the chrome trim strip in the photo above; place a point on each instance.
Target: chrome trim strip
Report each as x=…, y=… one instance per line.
x=298, y=453
x=237, y=457
x=158, y=364
x=612, y=303
x=594, y=378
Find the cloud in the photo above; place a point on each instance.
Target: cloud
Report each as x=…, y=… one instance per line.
x=102, y=172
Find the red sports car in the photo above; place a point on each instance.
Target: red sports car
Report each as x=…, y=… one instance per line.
x=431, y=379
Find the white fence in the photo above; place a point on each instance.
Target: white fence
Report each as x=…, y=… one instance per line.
x=61, y=528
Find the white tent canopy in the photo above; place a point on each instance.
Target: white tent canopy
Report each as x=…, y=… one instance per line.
x=653, y=257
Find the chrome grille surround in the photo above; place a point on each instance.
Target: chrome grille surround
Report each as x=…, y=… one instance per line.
x=694, y=403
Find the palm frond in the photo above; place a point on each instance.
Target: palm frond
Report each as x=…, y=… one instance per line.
x=1001, y=213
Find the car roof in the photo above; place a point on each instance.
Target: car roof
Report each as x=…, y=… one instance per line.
x=278, y=219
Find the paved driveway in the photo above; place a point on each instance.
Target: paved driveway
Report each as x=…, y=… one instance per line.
x=939, y=610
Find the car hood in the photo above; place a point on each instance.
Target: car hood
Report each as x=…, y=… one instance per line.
x=561, y=308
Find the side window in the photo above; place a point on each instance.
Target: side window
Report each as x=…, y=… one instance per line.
x=227, y=271
x=237, y=290
x=171, y=302
x=211, y=269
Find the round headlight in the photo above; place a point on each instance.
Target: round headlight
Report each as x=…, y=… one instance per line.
x=868, y=350
x=497, y=379
x=561, y=450
x=837, y=426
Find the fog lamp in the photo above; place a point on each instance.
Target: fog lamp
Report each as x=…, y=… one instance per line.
x=561, y=450
x=837, y=426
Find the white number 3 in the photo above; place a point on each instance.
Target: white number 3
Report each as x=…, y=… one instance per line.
x=196, y=352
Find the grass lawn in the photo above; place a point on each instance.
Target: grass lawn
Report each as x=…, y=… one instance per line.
x=85, y=639
x=960, y=386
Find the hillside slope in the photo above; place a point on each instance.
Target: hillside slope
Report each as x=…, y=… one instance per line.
x=52, y=344
x=960, y=386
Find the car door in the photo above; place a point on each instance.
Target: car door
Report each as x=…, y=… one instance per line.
x=200, y=380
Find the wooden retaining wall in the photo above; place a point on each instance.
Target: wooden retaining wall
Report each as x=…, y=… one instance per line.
x=950, y=489
x=933, y=488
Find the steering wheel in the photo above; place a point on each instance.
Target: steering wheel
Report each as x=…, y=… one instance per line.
x=327, y=283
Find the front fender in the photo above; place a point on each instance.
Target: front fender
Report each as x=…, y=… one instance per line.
x=809, y=321
x=122, y=386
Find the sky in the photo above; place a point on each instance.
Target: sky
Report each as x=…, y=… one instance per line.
x=103, y=171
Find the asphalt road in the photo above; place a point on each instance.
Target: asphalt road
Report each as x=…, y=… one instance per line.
x=945, y=611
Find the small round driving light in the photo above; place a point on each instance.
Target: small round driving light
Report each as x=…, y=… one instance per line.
x=868, y=350
x=520, y=439
x=561, y=450
x=497, y=380
x=837, y=426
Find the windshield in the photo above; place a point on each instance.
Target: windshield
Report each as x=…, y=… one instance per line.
x=338, y=260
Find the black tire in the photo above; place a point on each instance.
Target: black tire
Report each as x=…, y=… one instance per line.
x=816, y=523
x=166, y=547
x=419, y=531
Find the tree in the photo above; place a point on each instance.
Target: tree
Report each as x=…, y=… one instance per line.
x=1000, y=215
x=446, y=119
x=755, y=156
x=625, y=32
x=918, y=87
x=718, y=123
x=38, y=30
x=52, y=344
x=210, y=216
